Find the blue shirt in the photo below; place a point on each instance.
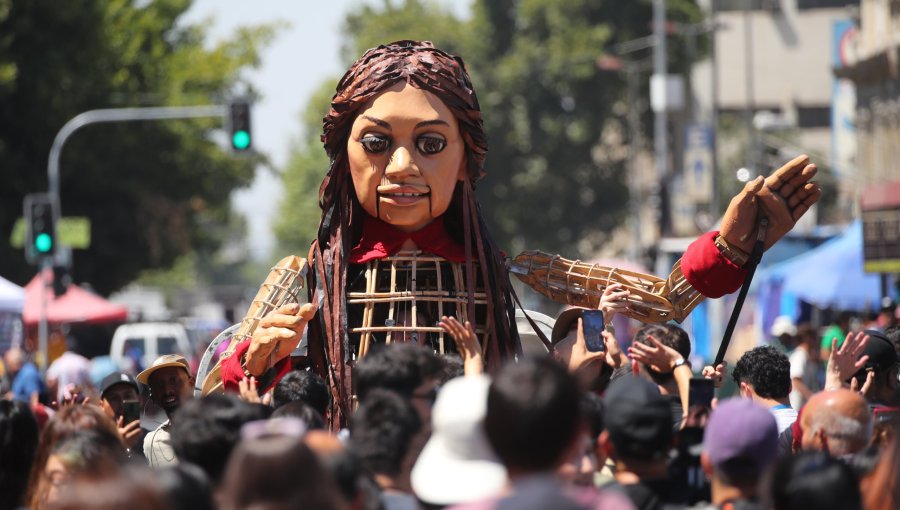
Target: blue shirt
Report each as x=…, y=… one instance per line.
x=26, y=382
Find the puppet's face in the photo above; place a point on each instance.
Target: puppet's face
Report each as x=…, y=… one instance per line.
x=406, y=155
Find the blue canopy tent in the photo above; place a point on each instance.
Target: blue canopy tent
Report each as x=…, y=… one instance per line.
x=829, y=276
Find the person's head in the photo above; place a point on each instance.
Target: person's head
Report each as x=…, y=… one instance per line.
x=303, y=386
x=14, y=358
x=638, y=422
x=837, y=422
x=814, y=480
x=185, y=487
x=533, y=418
x=807, y=337
x=311, y=418
x=669, y=335
x=410, y=370
x=892, y=333
x=887, y=315
x=18, y=443
x=784, y=330
x=580, y=468
x=115, y=389
x=170, y=382
x=133, y=487
x=381, y=431
x=67, y=422
x=763, y=372
x=883, y=362
x=458, y=448
x=90, y=453
x=278, y=472
x=739, y=445
x=206, y=430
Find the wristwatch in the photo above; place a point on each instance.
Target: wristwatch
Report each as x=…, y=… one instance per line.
x=679, y=362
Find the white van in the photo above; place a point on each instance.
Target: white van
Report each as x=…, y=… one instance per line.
x=147, y=341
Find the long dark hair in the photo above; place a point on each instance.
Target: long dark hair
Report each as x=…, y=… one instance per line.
x=423, y=66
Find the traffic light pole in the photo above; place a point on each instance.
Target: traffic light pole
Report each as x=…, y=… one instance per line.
x=96, y=117
x=120, y=115
x=44, y=266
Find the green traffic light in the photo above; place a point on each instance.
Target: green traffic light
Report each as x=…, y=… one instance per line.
x=240, y=140
x=43, y=243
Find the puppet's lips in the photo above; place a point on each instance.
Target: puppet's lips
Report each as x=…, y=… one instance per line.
x=402, y=195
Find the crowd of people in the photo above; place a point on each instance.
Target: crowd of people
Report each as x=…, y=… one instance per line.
x=577, y=429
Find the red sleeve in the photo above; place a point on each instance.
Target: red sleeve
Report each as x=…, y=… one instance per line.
x=709, y=271
x=232, y=372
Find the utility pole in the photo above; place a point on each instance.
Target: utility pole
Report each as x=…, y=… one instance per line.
x=660, y=119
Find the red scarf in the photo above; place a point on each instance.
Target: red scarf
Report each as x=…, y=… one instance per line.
x=380, y=239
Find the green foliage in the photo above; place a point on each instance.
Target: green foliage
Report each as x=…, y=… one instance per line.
x=298, y=217
x=153, y=190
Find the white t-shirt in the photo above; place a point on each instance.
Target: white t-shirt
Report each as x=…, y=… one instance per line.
x=784, y=416
x=805, y=369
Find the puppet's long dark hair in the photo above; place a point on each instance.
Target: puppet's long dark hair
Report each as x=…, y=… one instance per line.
x=425, y=67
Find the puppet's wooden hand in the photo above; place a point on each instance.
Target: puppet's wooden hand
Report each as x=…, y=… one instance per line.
x=783, y=198
x=277, y=336
x=787, y=195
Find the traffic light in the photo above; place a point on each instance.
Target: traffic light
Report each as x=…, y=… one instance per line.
x=40, y=214
x=241, y=135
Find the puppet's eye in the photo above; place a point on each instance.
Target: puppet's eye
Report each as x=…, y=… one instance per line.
x=430, y=144
x=375, y=144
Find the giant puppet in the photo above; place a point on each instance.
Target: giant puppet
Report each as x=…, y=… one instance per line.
x=402, y=240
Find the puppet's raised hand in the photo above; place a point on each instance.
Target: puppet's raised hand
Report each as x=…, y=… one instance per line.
x=276, y=336
x=783, y=198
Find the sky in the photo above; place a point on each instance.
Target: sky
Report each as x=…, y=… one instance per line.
x=285, y=83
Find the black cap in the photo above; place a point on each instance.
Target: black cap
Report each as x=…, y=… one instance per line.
x=638, y=418
x=117, y=378
x=880, y=350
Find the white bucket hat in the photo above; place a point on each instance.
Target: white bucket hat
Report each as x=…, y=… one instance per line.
x=458, y=464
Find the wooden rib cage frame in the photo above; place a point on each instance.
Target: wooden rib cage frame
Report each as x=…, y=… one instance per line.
x=578, y=283
x=408, y=284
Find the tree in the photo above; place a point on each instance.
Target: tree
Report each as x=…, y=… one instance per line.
x=299, y=213
x=151, y=189
x=555, y=162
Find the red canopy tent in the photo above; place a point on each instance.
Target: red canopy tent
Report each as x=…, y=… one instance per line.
x=75, y=306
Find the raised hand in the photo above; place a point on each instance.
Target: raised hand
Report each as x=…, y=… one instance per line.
x=573, y=352
x=717, y=374
x=846, y=361
x=277, y=335
x=129, y=433
x=466, y=344
x=658, y=356
x=783, y=197
x=614, y=300
x=248, y=392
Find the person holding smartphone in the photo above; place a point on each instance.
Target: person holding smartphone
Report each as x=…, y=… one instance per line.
x=120, y=399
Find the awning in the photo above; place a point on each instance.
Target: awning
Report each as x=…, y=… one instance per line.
x=75, y=306
x=12, y=297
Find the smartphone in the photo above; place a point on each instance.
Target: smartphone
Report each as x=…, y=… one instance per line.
x=701, y=392
x=592, y=326
x=131, y=410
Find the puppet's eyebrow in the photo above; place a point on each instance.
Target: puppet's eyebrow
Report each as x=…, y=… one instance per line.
x=379, y=122
x=435, y=122
x=386, y=125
